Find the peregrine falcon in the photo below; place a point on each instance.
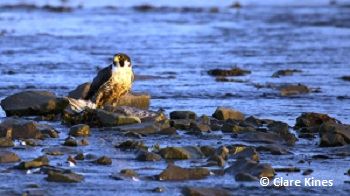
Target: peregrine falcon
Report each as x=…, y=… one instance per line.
x=112, y=81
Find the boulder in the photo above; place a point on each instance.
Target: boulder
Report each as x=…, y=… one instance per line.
x=33, y=103
x=65, y=176
x=244, y=177
x=24, y=130
x=144, y=128
x=330, y=140
x=273, y=149
x=35, y=163
x=308, y=119
x=144, y=155
x=294, y=89
x=132, y=99
x=208, y=150
x=186, y=152
x=104, y=161
x=223, y=113
x=80, y=130
x=247, y=152
x=333, y=128
x=8, y=157
x=176, y=173
x=183, y=115
x=6, y=142
x=195, y=191
x=232, y=128
x=112, y=119
x=250, y=167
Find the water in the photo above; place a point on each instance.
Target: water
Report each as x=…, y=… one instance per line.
x=56, y=51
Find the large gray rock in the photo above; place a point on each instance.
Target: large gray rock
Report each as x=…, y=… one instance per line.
x=223, y=113
x=33, y=103
x=251, y=167
x=132, y=99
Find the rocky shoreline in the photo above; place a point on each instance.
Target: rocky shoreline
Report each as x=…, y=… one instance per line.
x=131, y=127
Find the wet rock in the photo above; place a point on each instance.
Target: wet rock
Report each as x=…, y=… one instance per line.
x=294, y=89
x=65, y=176
x=257, y=136
x=129, y=173
x=208, y=151
x=176, y=173
x=251, y=167
x=233, y=72
x=308, y=119
x=47, y=130
x=273, y=149
x=80, y=130
x=332, y=128
x=31, y=142
x=215, y=160
x=191, y=191
x=133, y=135
x=232, y=128
x=204, y=119
x=346, y=78
x=330, y=140
x=167, y=131
x=287, y=72
x=104, y=161
x=128, y=145
x=244, y=177
x=111, y=119
x=38, y=162
x=223, y=113
x=252, y=122
x=25, y=130
x=279, y=128
x=142, y=128
x=8, y=157
x=61, y=150
x=79, y=156
x=143, y=155
x=33, y=103
x=83, y=142
x=183, y=115
x=70, y=141
x=144, y=7
x=181, y=124
x=6, y=142
x=186, y=152
x=246, y=152
x=199, y=127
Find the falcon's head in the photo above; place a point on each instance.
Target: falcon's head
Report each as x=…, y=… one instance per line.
x=121, y=61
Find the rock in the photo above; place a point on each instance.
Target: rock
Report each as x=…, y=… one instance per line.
x=332, y=128
x=144, y=128
x=6, y=126
x=280, y=128
x=167, y=131
x=183, y=115
x=330, y=140
x=204, y=119
x=111, y=119
x=65, y=176
x=222, y=152
x=33, y=103
x=70, y=142
x=131, y=99
x=143, y=115
x=241, y=177
x=247, y=152
x=223, y=113
x=186, y=152
x=251, y=167
x=215, y=160
x=273, y=149
x=232, y=128
x=308, y=119
x=6, y=142
x=129, y=173
x=194, y=191
x=61, y=150
x=196, y=127
x=233, y=72
x=79, y=156
x=80, y=130
x=38, y=162
x=8, y=157
x=32, y=142
x=287, y=72
x=81, y=91
x=133, y=135
x=47, y=130
x=143, y=155
x=307, y=172
x=208, y=151
x=83, y=142
x=181, y=124
x=25, y=130
x=176, y=173
x=294, y=89
x=257, y=136
x=252, y=122
x=104, y=161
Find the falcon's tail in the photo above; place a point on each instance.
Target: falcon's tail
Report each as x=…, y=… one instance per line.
x=79, y=105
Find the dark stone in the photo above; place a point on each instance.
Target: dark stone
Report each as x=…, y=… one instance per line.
x=80, y=130
x=183, y=115
x=332, y=128
x=176, y=173
x=129, y=173
x=287, y=72
x=143, y=155
x=244, y=177
x=273, y=149
x=251, y=167
x=24, y=130
x=279, y=128
x=35, y=163
x=331, y=140
x=6, y=142
x=308, y=119
x=186, y=152
x=104, y=161
x=167, y=131
x=79, y=156
x=208, y=150
x=233, y=72
x=294, y=89
x=33, y=103
x=65, y=176
x=81, y=91
x=194, y=191
x=246, y=152
x=8, y=157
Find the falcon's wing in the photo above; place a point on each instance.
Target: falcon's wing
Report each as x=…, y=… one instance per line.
x=101, y=78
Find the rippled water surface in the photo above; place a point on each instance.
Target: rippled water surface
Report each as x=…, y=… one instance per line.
x=41, y=49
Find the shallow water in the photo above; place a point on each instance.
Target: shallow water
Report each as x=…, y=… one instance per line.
x=56, y=51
